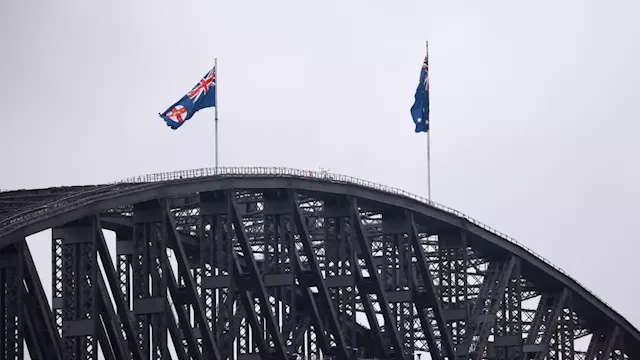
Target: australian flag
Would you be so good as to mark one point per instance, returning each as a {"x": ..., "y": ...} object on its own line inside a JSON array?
[
  {"x": 203, "y": 95},
  {"x": 420, "y": 108}
]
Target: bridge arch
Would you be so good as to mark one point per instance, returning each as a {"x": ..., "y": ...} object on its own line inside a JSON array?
[{"x": 372, "y": 229}]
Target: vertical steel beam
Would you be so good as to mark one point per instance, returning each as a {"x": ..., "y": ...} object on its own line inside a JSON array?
[
  {"x": 508, "y": 333},
  {"x": 207, "y": 231},
  {"x": 453, "y": 269},
  {"x": 79, "y": 289},
  {"x": 158, "y": 254},
  {"x": 149, "y": 273},
  {"x": 56, "y": 282},
  {"x": 142, "y": 266},
  {"x": 280, "y": 264},
  {"x": 219, "y": 293},
  {"x": 124, "y": 253},
  {"x": 11, "y": 301},
  {"x": 398, "y": 273},
  {"x": 567, "y": 329}
]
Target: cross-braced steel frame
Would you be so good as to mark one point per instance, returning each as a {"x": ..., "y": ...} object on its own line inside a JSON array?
[{"x": 273, "y": 268}]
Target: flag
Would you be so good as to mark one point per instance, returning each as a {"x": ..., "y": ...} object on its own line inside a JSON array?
[
  {"x": 420, "y": 108},
  {"x": 203, "y": 95}
]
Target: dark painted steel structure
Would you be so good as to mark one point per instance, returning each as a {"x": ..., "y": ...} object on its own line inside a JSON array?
[{"x": 253, "y": 263}]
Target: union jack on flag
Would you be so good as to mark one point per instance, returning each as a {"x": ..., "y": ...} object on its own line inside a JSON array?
[{"x": 203, "y": 95}]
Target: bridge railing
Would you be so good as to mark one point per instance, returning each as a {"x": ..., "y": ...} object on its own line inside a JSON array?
[{"x": 334, "y": 178}]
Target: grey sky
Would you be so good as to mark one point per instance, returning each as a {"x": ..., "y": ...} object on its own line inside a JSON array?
[{"x": 534, "y": 106}]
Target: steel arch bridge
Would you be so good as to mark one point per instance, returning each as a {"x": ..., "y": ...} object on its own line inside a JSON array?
[{"x": 274, "y": 263}]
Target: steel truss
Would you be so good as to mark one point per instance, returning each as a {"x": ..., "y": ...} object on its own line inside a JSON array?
[{"x": 280, "y": 272}]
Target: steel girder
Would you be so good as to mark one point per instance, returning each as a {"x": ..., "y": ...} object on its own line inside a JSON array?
[
  {"x": 41, "y": 335},
  {"x": 11, "y": 310},
  {"x": 269, "y": 273}
]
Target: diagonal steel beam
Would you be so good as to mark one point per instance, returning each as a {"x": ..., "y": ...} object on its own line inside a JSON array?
[
  {"x": 595, "y": 345},
  {"x": 44, "y": 328},
  {"x": 112, "y": 334},
  {"x": 367, "y": 304},
  {"x": 31, "y": 337},
  {"x": 316, "y": 273},
  {"x": 307, "y": 296},
  {"x": 112, "y": 279},
  {"x": 425, "y": 299},
  {"x": 364, "y": 247},
  {"x": 192, "y": 247},
  {"x": 313, "y": 316},
  {"x": 302, "y": 324},
  {"x": 247, "y": 300},
  {"x": 431, "y": 295},
  {"x": 176, "y": 338},
  {"x": 237, "y": 270},
  {"x": 381, "y": 343},
  {"x": 497, "y": 297},
  {"x": 544, "y": 304},
  {"x": 186, "y": 332},
  {"x": 419, "y": 299},
  {"x": 610, "y": 343},
  {"x": 109, "y": 352},
  {"x": 208, "y": 343},
  {"x": 551, "y": 322},
  {"x": 183, "y": 317},
  {"x": 304, "y": 296},
  {"x": 256, "y": 277}
]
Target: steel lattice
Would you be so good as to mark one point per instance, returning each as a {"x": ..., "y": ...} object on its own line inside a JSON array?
[{"x": 277, "y": 267}]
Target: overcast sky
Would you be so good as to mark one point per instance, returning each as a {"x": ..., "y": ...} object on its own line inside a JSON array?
[{"x": 533, "y": 106}]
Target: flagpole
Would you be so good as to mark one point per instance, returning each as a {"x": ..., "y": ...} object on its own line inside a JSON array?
[
  {"x": 428, "y": 141},
  {"x": 428, "y": 168},
  {"x": 216, "y": 111}
]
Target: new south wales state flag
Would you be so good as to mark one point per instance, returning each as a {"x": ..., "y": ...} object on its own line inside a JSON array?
[{"x": 203, "y": 95}]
